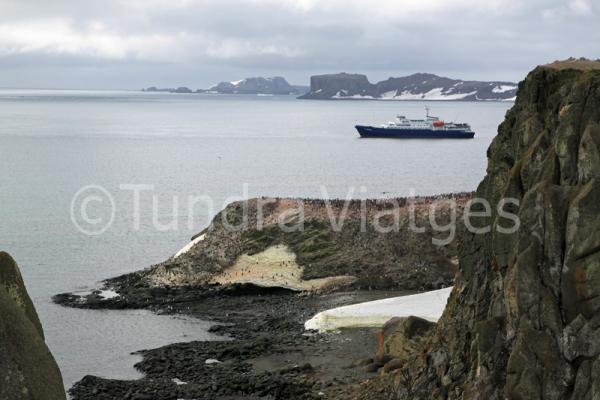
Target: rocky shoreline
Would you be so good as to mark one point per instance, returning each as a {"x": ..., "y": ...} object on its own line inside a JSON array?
[{"x": 265, "y": 351}]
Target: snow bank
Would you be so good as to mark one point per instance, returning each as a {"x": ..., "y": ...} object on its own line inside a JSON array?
[
  {"x": 190, "y": 245},
  {"x": 108, "y": 294},
  {"x": 428, "y": 305},
  {"x": 503, "y": 88},
  {"x": 433, "y": 94}
]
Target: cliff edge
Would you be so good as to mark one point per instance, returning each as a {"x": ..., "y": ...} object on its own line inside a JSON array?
[
  {"x": 523, "y": 320},
  {"x": 27, "y": 369}
]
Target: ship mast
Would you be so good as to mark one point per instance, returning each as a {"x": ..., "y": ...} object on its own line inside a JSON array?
[{"x": 426, "y": 112}]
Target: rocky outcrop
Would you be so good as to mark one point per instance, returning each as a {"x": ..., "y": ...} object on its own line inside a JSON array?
[
  {"x": 523, "y": 321},
  {"x": 27, "y": 369},
  {"x": 332, "y": 86},
  {"x": 302, "y": 245},
  {"x": 393, "y": 257},
  {"x": 401, "y": 337},
  {"x": 414, "y": 87}
]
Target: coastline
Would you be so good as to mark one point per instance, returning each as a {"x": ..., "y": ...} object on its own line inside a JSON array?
[{"x": 265, "y": 349}]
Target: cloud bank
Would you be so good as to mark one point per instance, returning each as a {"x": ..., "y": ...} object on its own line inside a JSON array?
[{"x": 118, "y": 43}]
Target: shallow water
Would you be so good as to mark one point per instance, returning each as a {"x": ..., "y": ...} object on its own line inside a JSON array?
[{"x": 52, "y": 143}]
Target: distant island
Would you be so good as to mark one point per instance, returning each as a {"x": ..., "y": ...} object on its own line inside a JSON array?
[
  {"x": 181, "y": 89},
  {"x": 418, "y": 86},
  {"x": 343, "y": 86},
  {"x": 276, "y": 85}
]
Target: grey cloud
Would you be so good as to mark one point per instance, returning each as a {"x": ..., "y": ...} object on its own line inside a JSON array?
[{"x": 119, "y": 43}]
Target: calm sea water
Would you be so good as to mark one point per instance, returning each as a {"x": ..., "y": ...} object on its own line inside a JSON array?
[{"x": 52, "y": 143}]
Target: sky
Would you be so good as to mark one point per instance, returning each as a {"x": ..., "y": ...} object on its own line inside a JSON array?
[{"x": 130, "y": 44}]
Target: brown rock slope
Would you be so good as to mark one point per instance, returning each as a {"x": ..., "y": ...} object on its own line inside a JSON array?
[
  {"x": 523, "y": 321},
  {"x": 27, "y": 369}
]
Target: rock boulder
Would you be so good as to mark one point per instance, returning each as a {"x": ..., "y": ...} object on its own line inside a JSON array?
[{"x": 27, "y": 369}]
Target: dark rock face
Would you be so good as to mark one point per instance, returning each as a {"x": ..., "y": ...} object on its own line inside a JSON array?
[
  {"x": 259, "y": 85},
  {"x": 346, "y": 85},
  {"x": 27, "y": 369},
  {"x": 401, "y": 337},
  {"x": 523, "y": 321},
  {"x": 414, "y": 87}
]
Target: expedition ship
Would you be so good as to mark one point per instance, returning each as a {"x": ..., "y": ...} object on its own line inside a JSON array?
[{"x": 430, "y": 128}]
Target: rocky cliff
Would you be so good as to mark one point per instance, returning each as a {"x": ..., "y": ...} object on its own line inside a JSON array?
[
  {"x": 27, "y": 369},
  {"x": 414, "y": 87},
  {"x": 523, "y": 321}
]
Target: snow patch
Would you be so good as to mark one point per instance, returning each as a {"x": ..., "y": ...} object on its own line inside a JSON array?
[
  {"x": 178, "y": 382},
  {"x": 341, "y": 94},
  {"x": 433, "y": 94},
  {"x": 389, "y": 95},
  {"x": 359, "y": 96},
  {"x": 108, "y": 294},
  {"x": 212, "y": 361},
  {"x": 503, "y": 88},
  {"x": 190, "y": 245},
  {"x": 428, "y": 305},
  {"x": 235, "y": 83}
]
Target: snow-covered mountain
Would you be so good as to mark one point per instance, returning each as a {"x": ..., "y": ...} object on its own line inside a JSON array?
[
  {"x": 258, "y": 85},
  {"x": 414, "y": 87}
]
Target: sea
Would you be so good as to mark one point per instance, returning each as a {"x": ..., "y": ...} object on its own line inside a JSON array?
[{"x": 96, "y": 184}]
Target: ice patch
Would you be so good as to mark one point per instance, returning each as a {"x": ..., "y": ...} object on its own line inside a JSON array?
[
  {"x": 108, "y": 294},
  {"x": 503, "y": 88},
  {"x": 341, "y": 94},
  {"x": 389, "y": 95},
  {"x": 428, "y": 305},
  {"x": 433, "y": 94},
  {"x": 438, "y": 94},
  {"x": 190, "y": 245}
]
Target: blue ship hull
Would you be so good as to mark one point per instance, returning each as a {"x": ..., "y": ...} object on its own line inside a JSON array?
[{"x": 406, "y": 133}]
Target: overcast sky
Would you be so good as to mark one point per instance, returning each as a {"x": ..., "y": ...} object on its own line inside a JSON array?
[{"x": 131, "y": 44}]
